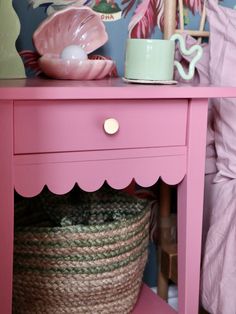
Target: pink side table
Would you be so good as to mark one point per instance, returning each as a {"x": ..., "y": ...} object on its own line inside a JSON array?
[{"x": 52, "y": 133}]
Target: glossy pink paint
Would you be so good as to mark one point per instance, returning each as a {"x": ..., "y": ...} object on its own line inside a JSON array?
[
  {"x": 54, "y": 126},
  {"x": 59, "y": 140},
  {"x": 113, "y": 88},
  {"x": 149, "y": 303}
]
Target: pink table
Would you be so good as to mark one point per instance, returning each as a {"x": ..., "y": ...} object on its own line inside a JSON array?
[{"x": 52, "y": 132}]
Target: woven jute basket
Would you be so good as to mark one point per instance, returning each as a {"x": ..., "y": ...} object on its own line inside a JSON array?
[{"x": 80, "y": 257}]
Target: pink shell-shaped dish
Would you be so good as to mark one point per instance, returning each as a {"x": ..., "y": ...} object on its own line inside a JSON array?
[
  {"x": 71, "y": 26},
  {"x": 75, "y": 69}
]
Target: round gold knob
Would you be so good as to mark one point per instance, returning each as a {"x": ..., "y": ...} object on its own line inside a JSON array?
[{"x": 111, "y": 126}]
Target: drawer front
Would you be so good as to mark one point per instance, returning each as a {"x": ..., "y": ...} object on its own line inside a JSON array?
[{"x": 64, "y": 126}]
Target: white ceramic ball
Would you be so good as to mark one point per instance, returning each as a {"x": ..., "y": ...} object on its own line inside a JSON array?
[{"x": 73, "y": 52}]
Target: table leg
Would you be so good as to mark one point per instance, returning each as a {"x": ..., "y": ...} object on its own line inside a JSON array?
[
  {"x": 6, "y": 206},
  {"x": 164, "y": 237},
  {"x": 190, "y": 208}
]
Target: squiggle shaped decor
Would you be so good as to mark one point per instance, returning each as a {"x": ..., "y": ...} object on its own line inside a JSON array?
[{"x": 187, "y": 52}]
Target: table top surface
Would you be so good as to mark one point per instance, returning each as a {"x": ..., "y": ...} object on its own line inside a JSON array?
[{"x": 113, "y": 88}]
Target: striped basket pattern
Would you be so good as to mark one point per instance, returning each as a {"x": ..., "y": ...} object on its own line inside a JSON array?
[{"x": 89, "y": 259}]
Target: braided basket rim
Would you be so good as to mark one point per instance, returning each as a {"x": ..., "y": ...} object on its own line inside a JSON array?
[{"x": 85, "y": 228}]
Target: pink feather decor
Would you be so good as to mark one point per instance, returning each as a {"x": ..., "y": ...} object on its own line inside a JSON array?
[
  {"x": 148, "y": 14},
  {"x": 30, "y": 59}
]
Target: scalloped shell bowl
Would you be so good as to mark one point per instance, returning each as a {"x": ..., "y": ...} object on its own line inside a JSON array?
[
  {"x": 72, "y": 26},
  {"x": 75, "y": 70}
]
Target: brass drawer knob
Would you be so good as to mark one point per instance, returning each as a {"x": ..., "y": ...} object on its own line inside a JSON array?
[{"x": 111, "y": 126}]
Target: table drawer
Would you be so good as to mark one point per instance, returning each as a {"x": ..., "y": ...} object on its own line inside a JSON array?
[{"x": 62, "y": 126}]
